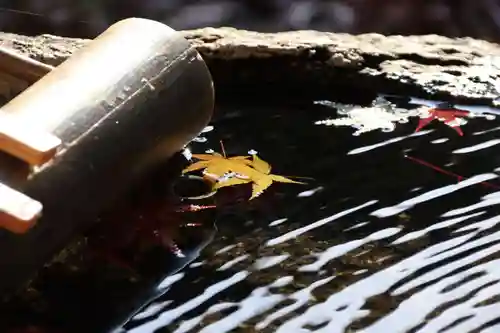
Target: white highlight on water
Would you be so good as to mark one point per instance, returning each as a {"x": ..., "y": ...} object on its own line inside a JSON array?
[
  {"x": 300, "y": 298},
  {"x": 439, "y": 225},
  {"x": 407, "y": 204},
  {"x": 487, "y": 131},
  {"x": 259, "y": 301},
  {"x": 277, "y": 222},
  {"x": 196, "y": 264},
  {"x": 297, "y": 232},
  {"x": 247, "y": 308},
  {"x": 225, "y": 249},
  {"x": 152, "y": 310},
  {"x": 345, "y": 306},
  {"x": 486, "y": 201},
  {"x": 170, "y": 315},
  {"x": 270, "y": 261},
  {"x": 386, "y": 143},
  {"x": 480, "y": 146},
  {"x": 170, "y": 280},
  {"x": 337, "y": 251},
  {"x": 233, "y": 262},
  {"x": 437, "y": 141},
  {"x": 357, "y": 225},
  {"x": 309, "y": 193}
]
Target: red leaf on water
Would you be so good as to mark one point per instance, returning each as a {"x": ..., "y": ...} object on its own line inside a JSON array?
[{"x": 447, "y": 114}]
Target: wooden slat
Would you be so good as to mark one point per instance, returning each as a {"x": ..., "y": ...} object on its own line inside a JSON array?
[
  {"x": 18, "y": 212},
  {"x": 21, "y": 66},
  {"x": 31, "y": 145}
]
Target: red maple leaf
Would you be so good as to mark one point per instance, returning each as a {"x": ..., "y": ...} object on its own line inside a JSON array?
[{"x": 445, "y": 113}]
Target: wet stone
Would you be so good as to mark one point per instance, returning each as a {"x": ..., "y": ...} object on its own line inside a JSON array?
[{"x": 325, "y": 64}]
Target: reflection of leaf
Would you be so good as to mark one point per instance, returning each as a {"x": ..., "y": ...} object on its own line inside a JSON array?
[
  {"x": 128, "y": 233},
  {"x": 237, "y": 170},
  {"x": 381, "y": 115}
]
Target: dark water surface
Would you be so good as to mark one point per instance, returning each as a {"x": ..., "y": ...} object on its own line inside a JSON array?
[
  {"x": 379, "y": 241},
  {"x": 397, "y": 232}
]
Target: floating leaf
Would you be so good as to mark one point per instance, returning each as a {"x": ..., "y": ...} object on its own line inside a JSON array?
[
  {"x": 237, "y": 170},
  {"x": 261, "y": 165},
  {"x": 385, "y": 115},
  {"x": 216, "y": 162},
  {"x": 447, "y": 114},
  {"x": 259, "y": 174}
]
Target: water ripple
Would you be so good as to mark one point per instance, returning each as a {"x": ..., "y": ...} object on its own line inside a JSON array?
[{"x": 402, "y": 266}]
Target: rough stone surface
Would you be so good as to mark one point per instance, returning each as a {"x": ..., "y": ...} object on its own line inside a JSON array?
[{"x": 320, "y": 63}]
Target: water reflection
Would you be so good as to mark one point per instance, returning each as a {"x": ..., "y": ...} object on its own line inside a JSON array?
[{"x": 386, "y": 244}]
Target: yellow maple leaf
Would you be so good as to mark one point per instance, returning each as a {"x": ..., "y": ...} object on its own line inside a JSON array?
[
  {"x": 263, "y": 178},
  {"x": 216, "y": 165},
  {"x": 237, "y": 170}
]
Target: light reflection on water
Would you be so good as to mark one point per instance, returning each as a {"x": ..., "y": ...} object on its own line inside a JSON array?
[{"x": 386, "y": 245}]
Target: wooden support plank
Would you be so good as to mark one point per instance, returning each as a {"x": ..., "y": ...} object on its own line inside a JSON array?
[
  {"x": 18, "y": 212},
  {"x": 31, "y": 145},
  {"x": 22, "y": 66}
]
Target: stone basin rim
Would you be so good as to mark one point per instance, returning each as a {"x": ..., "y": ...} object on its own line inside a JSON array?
[{"x": 322, "y": 64}]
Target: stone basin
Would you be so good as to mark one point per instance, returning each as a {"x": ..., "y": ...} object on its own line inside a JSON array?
[{"x": 396, "y": 229}]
